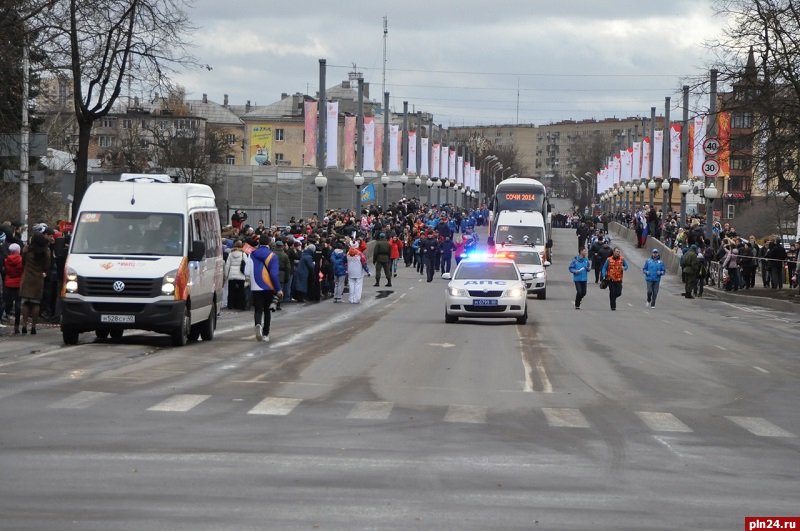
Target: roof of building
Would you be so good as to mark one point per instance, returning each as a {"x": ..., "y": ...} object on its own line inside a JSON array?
[
  {"x": 286, "y": 107},
  {"x": 213, "y": 112}
]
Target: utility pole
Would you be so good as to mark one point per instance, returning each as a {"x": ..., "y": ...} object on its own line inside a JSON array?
[
  {"x": 385, "y": 39},
  {"x": 24, "y": 159}
]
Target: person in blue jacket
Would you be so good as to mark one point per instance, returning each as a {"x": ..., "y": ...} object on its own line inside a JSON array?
[
  {"x": 263, "y": 269},
  {"x": 653, "y": 270},
  {"x": 579, "y": 267}
]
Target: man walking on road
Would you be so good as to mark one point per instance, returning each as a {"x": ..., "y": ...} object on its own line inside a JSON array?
[
  {"x": 579, "y": 267},
  {"x": 691, "y": 267},
  {"x": 264, "y": 272},
  {"x": 612, "y": 271},
  {"x": 382, "y": 260},
  {"x": 653, "y": 271}
]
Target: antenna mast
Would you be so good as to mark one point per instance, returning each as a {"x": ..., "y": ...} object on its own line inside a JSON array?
[{"x": 385, "y": 37}]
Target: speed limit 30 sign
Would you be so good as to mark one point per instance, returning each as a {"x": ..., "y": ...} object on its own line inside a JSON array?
[{"x": 710, "y": 168}]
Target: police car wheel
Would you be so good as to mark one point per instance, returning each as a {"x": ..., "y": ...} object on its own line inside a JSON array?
[
  {"x": 542, "y": 295},
  {"x": 450, "y": 318},
  {"x": 524, "y": 319}
]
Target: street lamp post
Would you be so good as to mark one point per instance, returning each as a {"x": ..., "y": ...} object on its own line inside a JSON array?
[
  {"x": 496, "y": 166},
  {"x": 652, "y": 187},
  {"x": 358, "y": 180},
  {"x": 628, "y": 197},
  {"x": 710, "y": 192},
  {"x": 418, "y": 182},
  {"x": 664, "y": 188},
  {"x": 404, "y": 181},
  {"x": 684, "y": 189},
  {"x": 593, "y": 190},
  {"x": 446, "y": 191},
  {"x": 385, "y": 183},
  {"x": 642, "y": 188},
  {"x": 438, "y": 185},
  {"x": 429, "y": 183},
  {"x": 320, "y": 181}
]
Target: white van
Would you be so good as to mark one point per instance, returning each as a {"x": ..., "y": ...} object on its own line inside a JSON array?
[
  {"x": 521, "y": 227},
  {"x": 145, "y": 254}
]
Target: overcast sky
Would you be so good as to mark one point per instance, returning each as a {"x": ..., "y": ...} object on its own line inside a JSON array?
[{"x": 461, "y": 61}]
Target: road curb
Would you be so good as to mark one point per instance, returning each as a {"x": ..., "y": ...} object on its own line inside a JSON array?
[{"x": 740, "y": 298}]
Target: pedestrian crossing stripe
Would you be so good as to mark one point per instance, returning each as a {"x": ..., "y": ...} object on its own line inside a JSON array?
[
  {"x": 658, "y": 421},
  {"x": 564, "y": 417},
  {"x": 760, "y": 427},
  {"x": 180, "y": 403},
  {"x": 275, "y": 406},
  {"x": 371, "y": 410},
  {"x": 81, "y": 400},
  {"x": 456, "y": 413}
]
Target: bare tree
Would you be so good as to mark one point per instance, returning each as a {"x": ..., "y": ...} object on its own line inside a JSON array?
[
  {"x": 771, "y": 28},
  {"x": 105, "y": 44}
]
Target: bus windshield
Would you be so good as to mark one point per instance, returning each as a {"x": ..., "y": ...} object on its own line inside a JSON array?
[
  {"x": 515, "y": 234},
  {"x": 128, "y": 233},
  {"x": 530, "y": 198}
]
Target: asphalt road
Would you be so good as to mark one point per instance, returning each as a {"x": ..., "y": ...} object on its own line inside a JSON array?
[{"x": 380, "y": 416}]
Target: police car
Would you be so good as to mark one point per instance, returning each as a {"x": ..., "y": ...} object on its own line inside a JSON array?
[
  {"x": 486, "y": 287},
  {"x": 528, "y": 260}
]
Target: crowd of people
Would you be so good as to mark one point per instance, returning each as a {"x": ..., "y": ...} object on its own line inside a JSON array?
[{"x": 736, "y": 261}]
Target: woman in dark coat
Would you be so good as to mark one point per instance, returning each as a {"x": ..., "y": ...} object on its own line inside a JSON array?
[
  {"x": 35, "y": 265},
  {"x": 303, "y": 273}
]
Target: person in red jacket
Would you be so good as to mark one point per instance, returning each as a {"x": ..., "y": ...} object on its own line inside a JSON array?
[
  {"x": 395, "y": 252},
  {"x": 13, "y": 277}
]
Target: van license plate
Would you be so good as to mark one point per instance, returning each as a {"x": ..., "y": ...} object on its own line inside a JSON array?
[
  {"x": 117, "y": 318},
  {"x": 484, "y": 302}
]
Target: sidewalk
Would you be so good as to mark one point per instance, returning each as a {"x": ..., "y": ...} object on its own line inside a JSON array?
[{"x": 785, "y": 300}]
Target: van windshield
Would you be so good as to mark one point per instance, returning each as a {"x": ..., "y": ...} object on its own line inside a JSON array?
[
  {"x": 129, "y": 233},
  {"x": 517, "y": 233}
]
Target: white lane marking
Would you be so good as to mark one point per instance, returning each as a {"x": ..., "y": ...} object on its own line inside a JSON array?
[
  {"x": 372, "y": 410},
  {"x": 658, "y": 421},
  {"x": 631, "y": 305},
  {"x": 759, "y": 369},
  {"x": 402, "y": 295},
  {"x": 442, "y": 345},
  {"x": 466, "y": 414},
  {"x": 547, "y": 387},
  {"x": 179, "y": 403},
  {"x": 688, "y": 333},
  {"x": 412, "y": 287},
  {"x": 759, "y": 426},
  {"x": 564, "y": 417},
  {"x": 275, "y": 405},
  {"x": 81, "y": 400},
  {"x": 721, "y": 348}
]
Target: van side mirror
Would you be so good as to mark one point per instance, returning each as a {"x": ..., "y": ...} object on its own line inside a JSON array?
[
  {"x": 549, "y": 244},
  {"x": 198, "y": 251}
]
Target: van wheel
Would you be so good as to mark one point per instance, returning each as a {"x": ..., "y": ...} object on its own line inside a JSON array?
[
  {"x": 117, "y": 334},
  {"x": 450, "y": 318},
  {"x": 180, "y": 336},
  {"x": 69, "y": 335},
  {"x": 208, "y": 326},
  {"x": 101, "y": 334},
  {"x": 524, "y": 319},
  {"x": 542, "y": 295},
  {"x": 194, "y": 332}
]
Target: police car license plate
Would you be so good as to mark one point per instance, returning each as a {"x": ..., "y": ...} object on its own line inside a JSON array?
[
  {"x": 484, "y": 302},
  {"x": 117, "y": 318}
]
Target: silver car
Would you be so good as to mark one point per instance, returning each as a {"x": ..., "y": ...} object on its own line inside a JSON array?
[
  {"x": 487, "y": 288},
  {"x": 528, "y": 260}
]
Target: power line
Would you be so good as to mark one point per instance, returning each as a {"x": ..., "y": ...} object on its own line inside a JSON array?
[{"x": 528, "y": 74}]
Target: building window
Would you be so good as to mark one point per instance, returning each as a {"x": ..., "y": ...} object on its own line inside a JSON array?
[
  {"x": 107, "y": 122},
  {"x": 741, "y": 163},
  {"x": 278, "y": 158},
  {"x": 105, "y": 141},
  {"x": 742, "y": 120},
  {"x": 230, "y": 160},
  {"x": 230, "y": 139},
  {"x": 127, "y": 123},
  {"x": 279, "y": 134}
]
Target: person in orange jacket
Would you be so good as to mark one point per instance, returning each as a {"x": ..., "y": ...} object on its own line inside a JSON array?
[{"x": 396, "y": 251}]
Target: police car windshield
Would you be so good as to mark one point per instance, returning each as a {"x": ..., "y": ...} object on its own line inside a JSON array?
[
  {"x": 535, "y": 234},
  {"x": 486, "y": 271},
  {"x": 129, "y": 233},
  {"x": 523, "y": 258}
]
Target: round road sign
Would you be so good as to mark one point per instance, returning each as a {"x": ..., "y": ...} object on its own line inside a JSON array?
[
  {"x": 710, "y": 168},
  {"x": 711, "y": 145}
]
